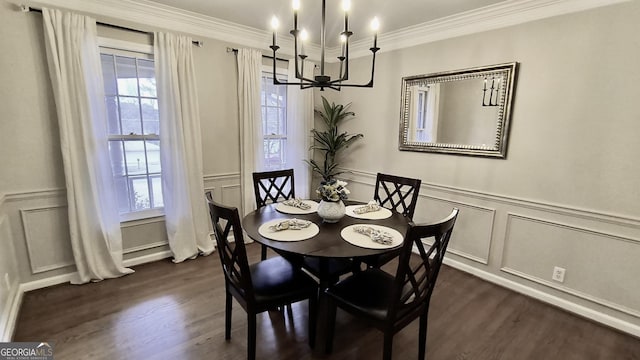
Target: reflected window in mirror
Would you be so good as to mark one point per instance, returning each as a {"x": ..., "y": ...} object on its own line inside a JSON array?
[{"x": 460, "y": 112}]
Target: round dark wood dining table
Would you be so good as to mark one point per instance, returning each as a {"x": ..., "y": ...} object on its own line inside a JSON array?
[{"x": 328, "y": 243}]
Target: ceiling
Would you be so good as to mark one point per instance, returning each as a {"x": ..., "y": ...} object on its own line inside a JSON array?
[{"x": 392, "y": 14}]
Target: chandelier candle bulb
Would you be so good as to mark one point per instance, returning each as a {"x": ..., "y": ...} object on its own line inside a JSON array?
[
  {"x": 303, "y": 37},
  {"x": 296, "y": 7},
  {"x": 375, "y": 25},
  {"x": 346, "y": 5},
  {"x": 274, "y": 25}
]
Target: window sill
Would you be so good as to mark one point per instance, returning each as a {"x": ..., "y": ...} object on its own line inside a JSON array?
[{"x": 141, "y": 217}]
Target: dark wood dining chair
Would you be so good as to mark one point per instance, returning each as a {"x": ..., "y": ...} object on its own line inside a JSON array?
[
  {"x": 399, "y": 194},
  {"x": 266, "y": 285},
  {"x": 270, "y": 187},
  {"x": 392, "y": 302}
]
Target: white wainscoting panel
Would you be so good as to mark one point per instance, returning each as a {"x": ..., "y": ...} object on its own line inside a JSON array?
[
  {"x": 472, "y": 234},
  {"x": 600, "y": 266},
  {"x": 46, "y": 231},
  {"x": 8, "y": 291}
]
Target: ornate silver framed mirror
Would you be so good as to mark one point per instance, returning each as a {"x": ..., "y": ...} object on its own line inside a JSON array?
[{"x": 463, "y": 112}]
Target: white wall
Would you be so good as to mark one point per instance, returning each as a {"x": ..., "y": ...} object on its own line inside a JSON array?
[{"x": 567, "y": 193}]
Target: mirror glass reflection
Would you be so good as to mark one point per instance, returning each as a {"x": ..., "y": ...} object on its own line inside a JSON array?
[{"x": 464, "y": 111}]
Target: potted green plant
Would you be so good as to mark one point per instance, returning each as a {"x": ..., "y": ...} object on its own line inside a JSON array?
[{"x": 330, "y": 141}]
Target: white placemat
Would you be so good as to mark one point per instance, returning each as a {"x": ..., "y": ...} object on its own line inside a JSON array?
[
  {"x": 287, "y": 235},
  {"x": 286, "y": 209},
  {"x": 361, "y": 240},
  {"x": 374, "y": 215}
]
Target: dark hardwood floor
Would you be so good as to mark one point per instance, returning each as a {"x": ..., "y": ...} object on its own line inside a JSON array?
[{"x": 176, "y": 311}]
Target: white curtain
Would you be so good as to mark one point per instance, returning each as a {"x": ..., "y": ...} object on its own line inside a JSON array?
[
  {"x": 299, "y": 124},
  {"x": 76, "y": 76},
  {"x": 180, "y": 148},
  {"x": 250, "y": 115}
]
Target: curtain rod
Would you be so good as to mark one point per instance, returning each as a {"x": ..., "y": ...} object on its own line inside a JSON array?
[
  {"x": 233, "y": 50},
  {"x": 26, "y": 8}
]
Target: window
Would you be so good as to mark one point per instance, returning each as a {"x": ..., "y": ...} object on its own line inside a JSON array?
[
  {"x": 425, "y": 112},
  {"x": 133, "y": 127},
  {"x": 274, "y": 121}
]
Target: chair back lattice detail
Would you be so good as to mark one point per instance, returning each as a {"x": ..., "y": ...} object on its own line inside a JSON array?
[
  {"x": 233, "y": 256},
  {"x": 415, "y": 280},
  {"x": 397, "y": 193},
  {"x": 273, "y": 186}
]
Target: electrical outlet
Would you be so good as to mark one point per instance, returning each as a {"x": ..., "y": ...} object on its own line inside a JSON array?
[{"x": 558, "y": 274}]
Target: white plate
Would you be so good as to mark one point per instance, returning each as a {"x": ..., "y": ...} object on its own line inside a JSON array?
[
  {"x": 287, "y": 235},
  {"x": 374, "y": 215},
  {"x": 286, "y": 209},
  {"x": 361, "y": 240}
]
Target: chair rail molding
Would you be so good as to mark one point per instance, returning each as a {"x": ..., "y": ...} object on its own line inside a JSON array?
[
  {"x": 614, "y": 219},
  {"x": 222, "y": 177},
  {"x": 33, "y": 194}
]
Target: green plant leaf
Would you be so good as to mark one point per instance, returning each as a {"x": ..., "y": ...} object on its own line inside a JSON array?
[{"x": 330, "y": 141}]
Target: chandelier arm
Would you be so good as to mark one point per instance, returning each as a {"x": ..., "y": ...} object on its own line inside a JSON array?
[
  {"x": 346, "y": 59},
  {"x": 291, "y": 83},
  {"x": 275, "y": 48},
  {"x": 369, "y": 84},
  {"x": 374, "y": 50},
  {"x": 305, "y": 79}
]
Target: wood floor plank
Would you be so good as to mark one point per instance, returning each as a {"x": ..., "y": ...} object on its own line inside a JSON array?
[{"x": 176, "y": 311}]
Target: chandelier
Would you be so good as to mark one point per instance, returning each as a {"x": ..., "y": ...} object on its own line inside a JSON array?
[{"x": 323, "y": 80}]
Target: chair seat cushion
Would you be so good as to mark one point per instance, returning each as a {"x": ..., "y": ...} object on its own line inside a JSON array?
[
  {"x": 367, "y": 292},
  {"x": 275, "y": 278}
]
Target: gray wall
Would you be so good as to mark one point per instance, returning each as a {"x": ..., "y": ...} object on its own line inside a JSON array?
[
  {"x": 32, "y": 186},
  {"x": 567, "y": 195}
]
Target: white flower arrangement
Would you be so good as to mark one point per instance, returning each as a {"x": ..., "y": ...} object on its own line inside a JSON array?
[{"x": 333, "y": 190}]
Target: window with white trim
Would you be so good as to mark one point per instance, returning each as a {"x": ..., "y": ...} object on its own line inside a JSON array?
[
  {"x": 133, "y": 128},
  {"x": 274, "y": 120}
]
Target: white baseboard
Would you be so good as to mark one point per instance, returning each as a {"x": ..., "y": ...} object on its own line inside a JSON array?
[
  {"x": 567, "y": 305},
  {"x": 18, "y": 294},
  {"x": 148, "y": 258},
  {"x": 11, "y": 311},
  {"x": 46, "y": 282}
]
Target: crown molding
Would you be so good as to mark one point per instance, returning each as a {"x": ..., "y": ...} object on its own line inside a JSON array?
[
  {"x": 147, "y": 13},
  {"x": 154, "y": 15},
  {"x": 500, "y": 15}
]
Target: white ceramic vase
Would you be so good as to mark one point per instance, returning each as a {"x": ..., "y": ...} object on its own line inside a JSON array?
[{"x": 331, "y": 211}]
